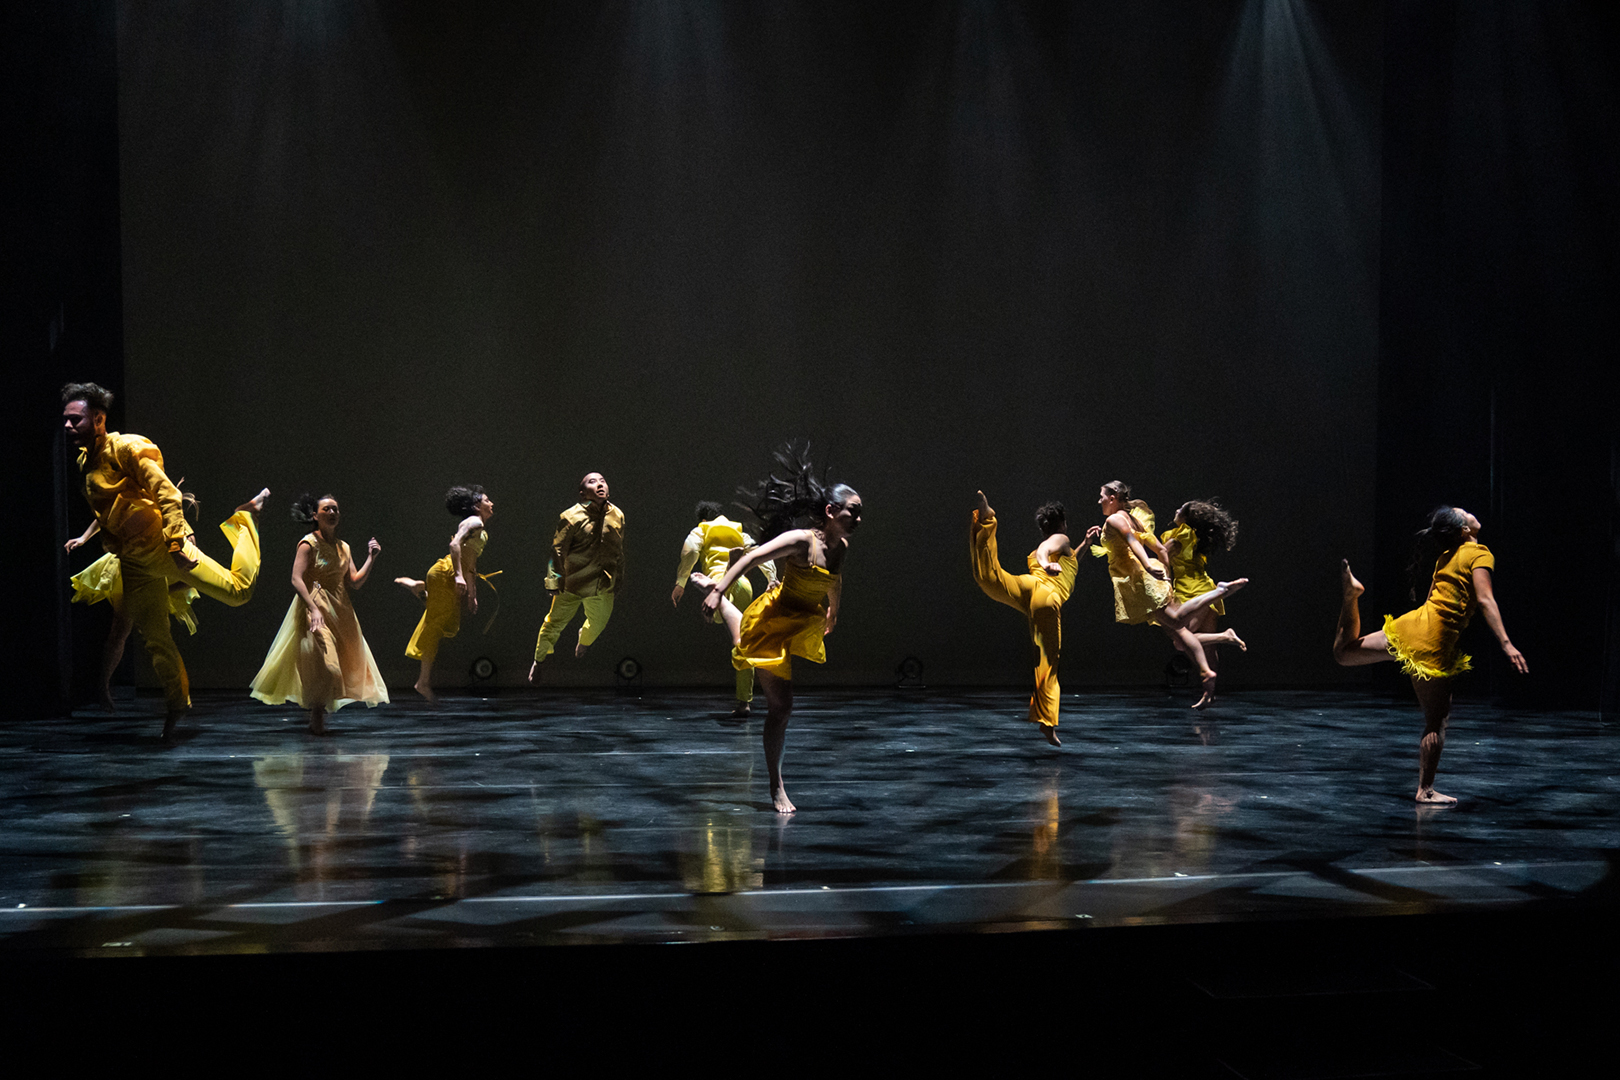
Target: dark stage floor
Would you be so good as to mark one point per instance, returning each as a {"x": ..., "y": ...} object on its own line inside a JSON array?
[{"x": 564, "y": 817}]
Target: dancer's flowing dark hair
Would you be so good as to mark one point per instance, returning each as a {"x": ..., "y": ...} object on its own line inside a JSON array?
[
  {"x": 1215, "y": 528},
  {"x": 1442, "y": 534},
  {"x": 792, "y": 496}
]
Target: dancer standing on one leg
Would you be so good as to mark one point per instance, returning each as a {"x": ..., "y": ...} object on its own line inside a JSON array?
[
  {"x": 715, "y": 542},
  {"x": 802, "y": 607},
  {"x": 320, "y": 660},
  {"x": 1039, "y": 594},
  {"x": 1201, "y": 526},
  {"x": 1425, "y": 640},
  {"x": 451, "y": 582},
  {"x": 1141, "y": 585},
  {"x": 142, "y": 522},
  {"x": 587, "y": 559}
]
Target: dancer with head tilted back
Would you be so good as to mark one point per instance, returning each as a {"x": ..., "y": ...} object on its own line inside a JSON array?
[
  {"x": 1039, "y": 594},
  {"x": 1142, "y": 592},
  {"x": 1201, "y": 526},
  {"x": 802, "y": 607},
  {"x": 715, "y": 542},
  {"x": 319, "y": 659},
  {"x": 451, "y": 583},
  {"x": 1425, "y": 640}
]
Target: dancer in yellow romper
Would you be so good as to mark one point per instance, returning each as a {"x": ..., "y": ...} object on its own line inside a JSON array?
[
  {"x": 1039, "y": 594},
  {"x": 1200, "y": 525},
  {"x": 142, "y": 522},
  {"x": 797, "y": 612},
  {"x": 451, "y": 583},
  {"x": 587, "y": 557},
  {"x": 714, "y": 542},
  {"x": 1426, "y": 639},
  {"x": 319, "y": 659}
]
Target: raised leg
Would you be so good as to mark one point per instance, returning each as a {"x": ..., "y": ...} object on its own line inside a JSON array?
[
  {"x": 1186, "y": 610},
  {"x": 1435, "y": 697},
  {"x": 779, "y": 710},
  {"x": 1350, "y": 648}
]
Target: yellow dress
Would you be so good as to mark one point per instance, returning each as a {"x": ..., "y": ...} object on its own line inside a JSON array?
[
  {"x": 1138, "y": 595},
  {"x": 788, "y": 621},
  {"x": 442, "y": 619},
  {"x": 330, "y": 669},
  {"x": 1425, "y": 640},
  {"x": 1040, "y": 596},
  {"x": 1188, "y": 566},
  {"x": 103, "y": 580}
]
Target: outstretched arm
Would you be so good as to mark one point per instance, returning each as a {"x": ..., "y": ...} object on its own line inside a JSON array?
[
  {"x": 357, "y": 578},
  {"x": 1493, "y": 619}
]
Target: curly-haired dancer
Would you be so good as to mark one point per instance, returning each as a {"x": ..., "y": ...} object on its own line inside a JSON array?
[
  {"x": 1200, "y": 526},
  {"x": 451, "y": 582}
]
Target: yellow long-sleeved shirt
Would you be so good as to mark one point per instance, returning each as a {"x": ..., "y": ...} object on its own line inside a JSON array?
[
  {"x": 132, "y": 497},
  {"x": 588, "y": 550}
]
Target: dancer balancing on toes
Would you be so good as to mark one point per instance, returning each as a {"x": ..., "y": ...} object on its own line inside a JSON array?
[
  {"x": 319, "y": 659},
  {"x": 714, "y": 542},
  {"x": 143, "y": 523},
  {"x": 451, "y": 583},
  {"x": 1039, "y": 594},
  {"x": 587, "y": 567},
  {"x": 1426, "y": 640},
  {"x": 1142, "y": 592},
  {"x": 802, "y": 607},
  {"x": 1200, "y": 526}
]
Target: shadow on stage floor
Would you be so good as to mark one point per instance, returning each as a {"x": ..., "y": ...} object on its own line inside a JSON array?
[{"x": 1217, "y": 865}]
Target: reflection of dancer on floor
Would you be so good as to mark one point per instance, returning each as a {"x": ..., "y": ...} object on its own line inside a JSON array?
[
  {"x": 1201, "y": 526},
  {"x": 802, "y": 607},
  {"x": 714, "y": 543},
  {"x": 1425, "y": 640},
  {"x": 143, "y": 522},
  {"x": 1141, "y": 585},
  {"x": 587, "y": 556},
  {"x": 319, "y": 659},
  {"x": 451, "y": 582},
  {"x": 1039, "y": 594}
]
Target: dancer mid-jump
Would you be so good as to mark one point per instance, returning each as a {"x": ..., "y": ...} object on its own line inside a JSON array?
[
  {"x": 451, "y": 582},
  {"x": 1200, "y": 526},
  {"x": 1425, "y": 640}
]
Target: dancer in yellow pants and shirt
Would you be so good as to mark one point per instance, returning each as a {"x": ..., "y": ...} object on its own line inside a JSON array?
[
  {"x": 587, "y": 555},
  {"x": 714, "y": 542},
  {"x": 142, "y": 522}
]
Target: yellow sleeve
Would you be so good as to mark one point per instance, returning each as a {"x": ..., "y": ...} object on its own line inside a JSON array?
[
  {"x": 689, "y": 555},
  {"x": 140, "y": 458}
]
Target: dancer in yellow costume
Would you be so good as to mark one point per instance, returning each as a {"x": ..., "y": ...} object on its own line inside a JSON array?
[
  {"x": 452, "y": 582},
  {"x": 796, "y": 613},
  {"x": 587, "y": 557},
  {"x": 1142, "y": 592},
  {"x": 319, "y": 659},
  {"x": 142, "y": 522},
  {"x": 1039, "y": 594},
  {"x": 1426, "y": 640},
  {"x": 714, "y": 542},
  {"x": 1201, "y": 525}
]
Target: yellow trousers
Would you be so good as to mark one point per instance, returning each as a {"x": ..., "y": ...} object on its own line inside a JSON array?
[
  {"x": 442, "y": 619},
  {"x": 1041, "y": 605},
  {"x": 564, "y": 605},
  {"x": 148, "y": 578},
  {"x": 741, "y": 594}
]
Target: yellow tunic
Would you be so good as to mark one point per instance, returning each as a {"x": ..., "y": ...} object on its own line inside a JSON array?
[
  {"x": 442, "y": 619},
  {"x": 788, "y": 621},
  {"x": 1188, "y": 565},
  {"x": 1425, "y": 640},
  {"x": 1040, "y": 596},
  {"x": 588, "y": 549},
  {"x": 1138, "y": 596},
  {"x": 330, "y": 669}
]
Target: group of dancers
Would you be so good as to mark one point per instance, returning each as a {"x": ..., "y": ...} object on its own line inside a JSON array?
[{"x": 320, "y": 660}]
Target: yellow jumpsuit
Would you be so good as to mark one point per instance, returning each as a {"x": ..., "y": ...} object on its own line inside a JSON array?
[
  {"x": 1040, "y": 597},
  {"x": 588, "y": 552},
  {"x": 1138, "y": 595},
  {"x": 442, "y": 619},
  {"x": 330, "y": 669},
  {"x": 711, "y": 544},
  {"x": 141, "y": 521},
  {"x": 789, "y": 620},
  {"x": 1189, "y": 568},
  {"x": 1425, "y": 640}
]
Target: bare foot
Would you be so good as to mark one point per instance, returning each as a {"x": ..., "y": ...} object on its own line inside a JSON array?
[
  {"x": 171, "y": 719},
  {"x": 1050, "y": 734},
  {"x": 1227, "y": 588},
  {"x": 985, "y": 513},
  {"x": 317, "y": 721},
  {"x": 579, "y": 650},
  {"x": 411, "y": 585},
  {"x": 783, "y": 804},
  {"x": 425, "y": 691},
  {"x": 1208, "y": 679},
  {"x": 1352, "y": 587},
  {"x": 743, "y": 708},
  {"x": 256, "y": 504},
  {"x": 1231, "y": 635},
  {"x": 1434, "y": 798},
  {"x": 106, "y": 699}
]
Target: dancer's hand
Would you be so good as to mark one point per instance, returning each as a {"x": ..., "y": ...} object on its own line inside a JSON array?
[
  {"x": 74, "y": 544},
  {"x": 711, "y": 603},
  {"x": 317, "y": 621},
  {"x": 185, "y": 562},
  {"x": 828, "y": 624},
  {"x": 534, "y": 669},
  {"x": 1052, "y": 568},
  {"x": 372, "y": 547},
  {"x": 1158, "y": 572},
  {"x": 1516, "y": 658},
  {"x": 675, "y": 597},
  {"x": 1093, "y": 533}
]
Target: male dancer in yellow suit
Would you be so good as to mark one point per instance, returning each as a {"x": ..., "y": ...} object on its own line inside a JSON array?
[
  {"x": 587, "y": 557},
  {"x": 139, "y": 512}
]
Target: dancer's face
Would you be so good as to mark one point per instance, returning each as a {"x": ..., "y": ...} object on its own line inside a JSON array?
[
  {"x": 1470, "y": 524},
  {"x": 327, "y": 513},
  {"x": 1107, "y": 501},
  {"x": 594, "y": 487},
  {"x": 485, "y": 508},
  {"x": 83, "y": 423},
  {"x": 846, "y": 518}
]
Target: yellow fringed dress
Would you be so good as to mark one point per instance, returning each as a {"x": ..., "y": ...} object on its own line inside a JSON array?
[
  {"x": 334, "y": 667},
  {"x": 1425, "y": 640},
  {"x": 1190, "y": 568},
  {"x": 788, "y": 621},
  {"x": 1138, "y": 595}
]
